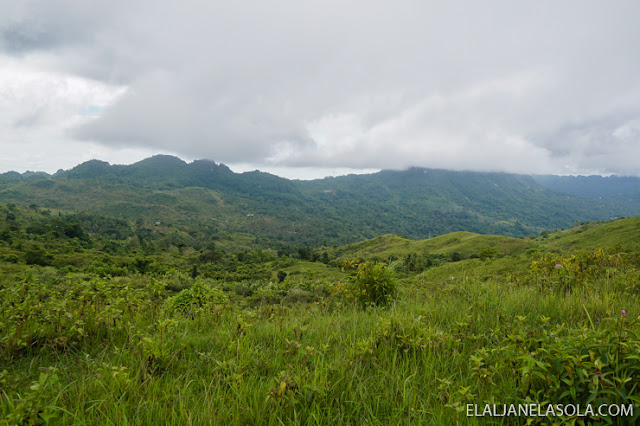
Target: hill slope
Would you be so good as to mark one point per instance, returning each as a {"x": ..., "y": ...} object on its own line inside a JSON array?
[{"x": 417, "y": 202}]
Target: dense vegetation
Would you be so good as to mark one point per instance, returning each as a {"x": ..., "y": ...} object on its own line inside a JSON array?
[
  {"x": 115, "y": 320},
  {"x": 275, "y": 212}
]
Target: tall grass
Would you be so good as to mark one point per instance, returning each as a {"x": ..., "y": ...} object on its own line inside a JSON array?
[{"x": 106, "y": 351}]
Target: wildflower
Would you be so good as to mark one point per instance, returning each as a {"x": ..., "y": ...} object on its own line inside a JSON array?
[
  {"x": 559, "y": 266},
  {"x": 623, "y": 313}
]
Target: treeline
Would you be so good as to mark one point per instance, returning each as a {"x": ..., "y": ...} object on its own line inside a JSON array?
[{"x": 103, "y": 246}]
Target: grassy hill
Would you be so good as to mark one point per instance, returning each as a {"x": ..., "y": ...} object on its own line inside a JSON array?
[
  {"x": 463, "y": 254},
  {"x": 466, "y": 244},
  {"x": 621, "y": 233}
]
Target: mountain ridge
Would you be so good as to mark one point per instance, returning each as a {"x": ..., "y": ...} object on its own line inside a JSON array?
[
  {"x": 587, "y": 186},
  {"x": 416, "y": 202}
]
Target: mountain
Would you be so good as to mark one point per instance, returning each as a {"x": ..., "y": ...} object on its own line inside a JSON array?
[
  {"x": 274, "y": 211},
  {"x": 9, "y": 177},
  {"x": 592, "y": 186}
]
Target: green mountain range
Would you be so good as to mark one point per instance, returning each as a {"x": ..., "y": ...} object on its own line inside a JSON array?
[{"x": 418, "y": 203}]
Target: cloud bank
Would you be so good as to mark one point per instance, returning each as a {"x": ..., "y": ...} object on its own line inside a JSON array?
[{"x": 493, "y": 85}]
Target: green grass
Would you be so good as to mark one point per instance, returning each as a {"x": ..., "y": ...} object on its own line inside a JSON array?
[
  {"x": 79, "y": 349},
  {"x": 620, "y": 232},
  {"x": 466, "y": 243},
  {"x": 318, "y": 363},
  {"x": 299, "y": 271}
]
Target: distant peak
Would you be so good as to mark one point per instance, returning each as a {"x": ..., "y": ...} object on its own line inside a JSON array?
[
  {"x": 161, "y": 160},
  {"x": 210, "y": 163},
  {"x": 88, "y": 169},
  {"x": 94, "y": 162},
  {"x": 12, "y": 174},
  {"x": 92, "y": 165}
]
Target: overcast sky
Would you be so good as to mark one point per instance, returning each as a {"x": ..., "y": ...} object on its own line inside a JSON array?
[{"x": 309, "y": 88}]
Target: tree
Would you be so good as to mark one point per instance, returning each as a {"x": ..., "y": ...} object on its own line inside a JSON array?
[{"x": 37, "y": 256}]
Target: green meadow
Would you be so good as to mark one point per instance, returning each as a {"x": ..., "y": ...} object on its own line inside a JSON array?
[{"x": 100, "y": 329}]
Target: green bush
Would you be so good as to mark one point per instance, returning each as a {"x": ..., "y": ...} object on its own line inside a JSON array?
[
  {"x": 489, "y": 253},
  {"x": 373, "y": 284},
  {"x": 34, "y": 406},
  {"x": 11, "y": 258},
  {"x": 198, "y": 298},
  {"x": 37, "y": 256}
]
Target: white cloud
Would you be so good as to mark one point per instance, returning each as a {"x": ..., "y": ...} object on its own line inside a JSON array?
[
  {"x": 455, "y": 131},
  {"x": 492, "y": 85},
  {"x": 37, "y": 109}
]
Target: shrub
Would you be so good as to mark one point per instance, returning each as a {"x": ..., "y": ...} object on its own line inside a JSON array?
[
  {"x": 198, "y": 298},
  {"x": 11, "y": 258},
  {"x": 37, "y": 256},
  {"x": 489, "y": 253},
  {"x": 34, "y": 405},
  {"x": 456, "y": 256},
  {"x": 373, "y": 283}
]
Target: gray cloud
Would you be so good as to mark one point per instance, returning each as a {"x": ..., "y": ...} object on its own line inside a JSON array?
[
  {"x": 492, "y": 85},
  {"x": 40, "y": 25}
]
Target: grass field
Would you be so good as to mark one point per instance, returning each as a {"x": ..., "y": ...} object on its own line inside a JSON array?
[{"x": 535, "y": 321}]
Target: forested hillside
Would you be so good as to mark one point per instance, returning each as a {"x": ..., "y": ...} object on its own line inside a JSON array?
[{"x": 166, "y": 191}]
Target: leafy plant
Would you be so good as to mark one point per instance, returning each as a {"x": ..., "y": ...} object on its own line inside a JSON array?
[
  {"x": 372, "y": 284},
  {"x": 200, "y": 297},
  {"x": 35, "y": 406}
]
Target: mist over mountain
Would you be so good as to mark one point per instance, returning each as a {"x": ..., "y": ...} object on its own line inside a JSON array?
[{"x": 592, "y": 186}]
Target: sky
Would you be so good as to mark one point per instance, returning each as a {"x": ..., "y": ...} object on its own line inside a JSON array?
[{"x": 310, "y": 88}]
